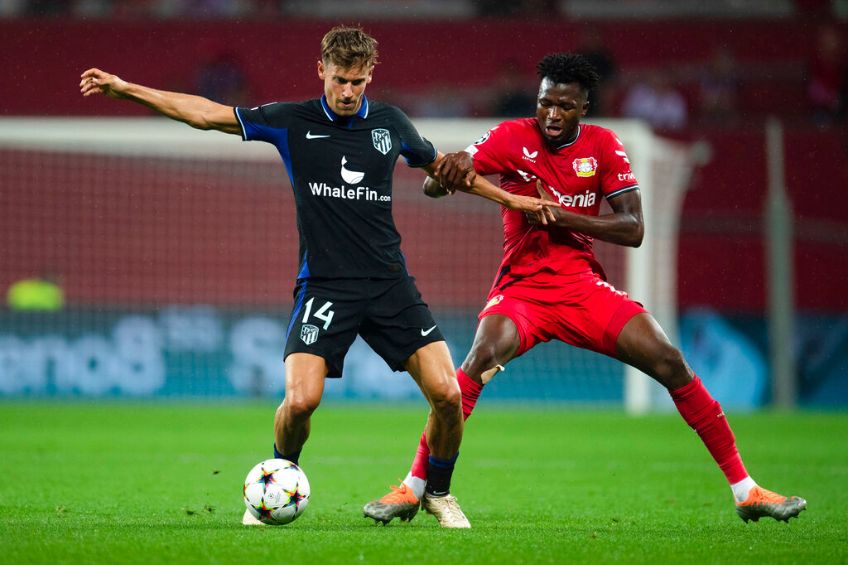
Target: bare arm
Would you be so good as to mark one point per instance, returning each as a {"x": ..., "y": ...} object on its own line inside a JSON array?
[
  {"x": 433, "y": 187},
  {"x": 196, "y": 111},
  {"x": 623, "y": 227},
  {"x": 471, "y": 183}
]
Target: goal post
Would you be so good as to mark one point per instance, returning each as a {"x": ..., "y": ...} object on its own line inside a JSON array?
[
  {"x": 664, "y": 169},
  {"x": 177, "y": 251}
]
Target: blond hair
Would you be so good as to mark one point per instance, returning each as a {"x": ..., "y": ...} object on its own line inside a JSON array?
[{"x": 349, "y": 48}]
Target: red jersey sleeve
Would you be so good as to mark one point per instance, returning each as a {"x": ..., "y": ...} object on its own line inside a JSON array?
[
  {"x": 491, "y": 152},
  {"x": 617, "y": 176}
]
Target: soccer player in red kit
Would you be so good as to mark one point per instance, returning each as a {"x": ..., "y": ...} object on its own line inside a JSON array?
[{"x": 549, "y": 284}]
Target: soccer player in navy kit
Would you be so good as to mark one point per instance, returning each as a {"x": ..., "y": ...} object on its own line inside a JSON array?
[
  {"x": 551, "y": 286},
  {"x": 340, "y": 152}
]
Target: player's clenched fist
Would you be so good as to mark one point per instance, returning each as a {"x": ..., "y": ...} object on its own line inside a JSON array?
[
  {"x": 95, "y": 81},
  {"x": 456, "y": 171}
]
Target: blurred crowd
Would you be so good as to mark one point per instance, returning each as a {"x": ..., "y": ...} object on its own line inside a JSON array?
[
  {"x": 709, "y": 93},
  {"x": 715, "y": 92},
  {"x": 412, "y": 9},
  {"x": 259, "y": 9}
]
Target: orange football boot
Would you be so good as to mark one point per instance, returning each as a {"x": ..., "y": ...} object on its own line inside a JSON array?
[
  {"x": 762, "y": 502},
  {"x": 401, "y": 503}
]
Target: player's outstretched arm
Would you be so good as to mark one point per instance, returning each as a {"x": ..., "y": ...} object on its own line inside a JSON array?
[
  {"x": 474, "y": 184},
  {"x": 196, "y": 111},
  {"x": 535, "y": 207},
  {"x": 623, "y": 227}
]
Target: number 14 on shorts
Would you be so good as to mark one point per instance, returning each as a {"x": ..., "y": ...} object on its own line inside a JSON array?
[
  {"x": 323, "y": 313},
  {"x": 309, "y": 332}
]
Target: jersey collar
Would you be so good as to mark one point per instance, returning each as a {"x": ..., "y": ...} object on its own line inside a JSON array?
[
  {"x": 572, "y": 142},
  {"x": 333, "y": 117}
]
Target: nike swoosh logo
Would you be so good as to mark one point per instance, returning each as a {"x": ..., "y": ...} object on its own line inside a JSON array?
[
  {"x": 310, "y": 136},
  {"x": 427, "y": 332}
]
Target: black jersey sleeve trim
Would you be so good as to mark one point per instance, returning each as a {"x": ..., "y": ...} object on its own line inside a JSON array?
[
  {"x": 241, "y": 123},
  {"x": 622, "y": 191},
  {"x": 420, "y": 165}
]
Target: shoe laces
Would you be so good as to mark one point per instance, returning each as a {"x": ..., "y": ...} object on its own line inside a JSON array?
[
  {"x": 450, "y": 505},
  {"x": 399, "y": 494},
  {"x": 759, "y": 495}
]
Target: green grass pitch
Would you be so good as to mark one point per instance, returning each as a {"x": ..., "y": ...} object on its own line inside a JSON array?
[{"x": 161, "y": 482}]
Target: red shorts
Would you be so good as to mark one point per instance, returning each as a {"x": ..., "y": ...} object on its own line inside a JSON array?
[{"x": 580, "y": 309}]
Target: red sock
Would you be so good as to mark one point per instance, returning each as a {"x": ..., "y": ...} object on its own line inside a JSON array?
[
  {"x": 470, "y": 393},
  {"x": 705, "y": 416}
]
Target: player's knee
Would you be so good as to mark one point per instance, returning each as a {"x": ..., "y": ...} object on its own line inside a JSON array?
[
  {"x": 299, "y": 407},
  {"x": 446, "y": 399},
  {"x": 482, "y": 358},
  {"x": 670, "y": 368}
]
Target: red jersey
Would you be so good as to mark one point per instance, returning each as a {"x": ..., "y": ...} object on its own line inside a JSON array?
[{"x": 577, "y": 175}]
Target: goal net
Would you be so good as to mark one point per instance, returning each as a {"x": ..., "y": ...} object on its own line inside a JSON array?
[{"x": 176, "y": 251}]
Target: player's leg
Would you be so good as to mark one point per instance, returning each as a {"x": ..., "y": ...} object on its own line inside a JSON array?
[
  {"x": 305, "y": 374},
  {"x": 643, "y": 344},
  {"x": 321, "y": 329},
  {"x": 495, "y": 343},
  {"x": 400, "y": 328},
  {"x": 432, "y": 368}
]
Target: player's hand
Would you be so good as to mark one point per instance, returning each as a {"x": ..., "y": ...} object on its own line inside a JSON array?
[
  {"x": 433, "y": 189},
  {"x": 535, "y": 208},
  {"x": 95, "y": 81},
  {"x": 547, "y": 213},
  {"x": 456, "y": 171}
]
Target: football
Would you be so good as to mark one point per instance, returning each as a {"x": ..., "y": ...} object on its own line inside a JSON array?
[{"x": 276, "y": 491}]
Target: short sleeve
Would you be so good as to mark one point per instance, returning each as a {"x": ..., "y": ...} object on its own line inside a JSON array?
[
  {"x": 617, "y": 176},
  {"x": 417, "y": 151},
  {"x": 490, "y": 152},
  {"x": 263, "y": 123}
]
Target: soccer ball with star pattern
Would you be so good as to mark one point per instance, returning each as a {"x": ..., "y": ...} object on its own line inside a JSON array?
[{"x": 276, "y": 491}]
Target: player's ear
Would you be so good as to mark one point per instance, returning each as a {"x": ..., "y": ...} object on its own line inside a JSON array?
[
  {"x": 585, "y": 107},
  {"x": 370, "y": 75},
  {"x": 321, "y": 69}
]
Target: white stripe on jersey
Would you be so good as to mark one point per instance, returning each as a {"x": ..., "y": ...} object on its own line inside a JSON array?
[
  {"x": 241, "y": 123},
  {"x": 622, "y": 191}
]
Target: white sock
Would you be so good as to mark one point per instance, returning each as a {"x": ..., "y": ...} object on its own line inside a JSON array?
[
  {"x": 742, "y": 488},
  {"x": 416, "y": 484}
]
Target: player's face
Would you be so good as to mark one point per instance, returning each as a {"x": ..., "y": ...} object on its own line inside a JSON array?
[
  {"x": 559, "y": 109},
  {"x": 344, "y": 87}
]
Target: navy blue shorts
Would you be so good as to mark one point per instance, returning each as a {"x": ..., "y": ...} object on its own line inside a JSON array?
[{"x": 389, "y": 314}]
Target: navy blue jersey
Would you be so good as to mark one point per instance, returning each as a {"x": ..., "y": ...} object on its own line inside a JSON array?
[{"x": 341, "y": 172}]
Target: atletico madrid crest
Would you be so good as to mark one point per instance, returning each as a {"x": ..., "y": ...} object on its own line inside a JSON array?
[
  {"x": 382, "y": 140},
  {"x": 308, "y": 333}
]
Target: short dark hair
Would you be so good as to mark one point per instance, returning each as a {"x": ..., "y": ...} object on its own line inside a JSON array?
[
  {"x": 562, "y": 68},
  {"x": 349, "y": 47}
]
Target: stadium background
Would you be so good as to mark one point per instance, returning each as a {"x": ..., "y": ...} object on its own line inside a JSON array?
[{"x": 177, "y": 273}]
